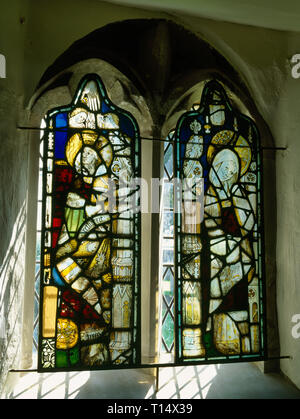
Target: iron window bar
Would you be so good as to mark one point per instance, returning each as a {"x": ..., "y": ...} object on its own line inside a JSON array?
[{"x": 101, "y": 130}]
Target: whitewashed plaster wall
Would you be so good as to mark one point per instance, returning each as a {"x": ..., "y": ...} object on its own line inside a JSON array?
[
  {"x": 286, "y": 126},
  {"x": 34, "y": 34},
  {"x": 13, "y": 188}
]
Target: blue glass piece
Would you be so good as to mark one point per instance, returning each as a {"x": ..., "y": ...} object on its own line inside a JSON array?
[
  {"x": 104, "y": 107},
  {"x": 126, "y": 126},
  {"x": 61, "y": 120},
  {"x": 61, "y": 138},
  {"x": 57, "y": 279}
]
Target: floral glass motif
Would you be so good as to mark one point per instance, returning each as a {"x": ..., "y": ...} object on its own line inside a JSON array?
[
  {"x": 220, "y": 289},
  {"x": 90, "y": 280}
]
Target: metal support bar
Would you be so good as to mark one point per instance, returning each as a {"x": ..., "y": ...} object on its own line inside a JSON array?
[
  {"x": 157, "y": 380},
  {"x": 142, "y": 138},
  {"x": 157, "y": 366}
]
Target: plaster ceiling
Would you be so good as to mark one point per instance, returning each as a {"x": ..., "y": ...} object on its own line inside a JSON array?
[{"x": 273, "y": 14}]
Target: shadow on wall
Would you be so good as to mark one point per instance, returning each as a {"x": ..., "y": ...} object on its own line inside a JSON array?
[
  {"x": 231, "y": 381},
  {"x": 11, "y": 294}
]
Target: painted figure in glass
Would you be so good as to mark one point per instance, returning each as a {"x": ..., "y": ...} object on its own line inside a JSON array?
[
  {"x": 90, "y": 270},
  {"x": 220, "y": 267}
]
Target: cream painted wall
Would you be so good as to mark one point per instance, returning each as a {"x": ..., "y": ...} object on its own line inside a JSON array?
[
  {"x": 286, "y": 128},
  {"x": 260, "y": 55},
  {"x": 13, "y": 181},
  {"x": 273, "y": 14}
]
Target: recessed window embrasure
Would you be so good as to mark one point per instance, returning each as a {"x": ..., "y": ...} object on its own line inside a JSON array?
[{"x": 91, "y": 237}]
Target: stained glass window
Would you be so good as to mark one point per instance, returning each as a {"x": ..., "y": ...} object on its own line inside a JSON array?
[
  {"x": 218, "y": 231},
  {"x": 212, "y": 282},
  {"x": 90, "y": 246}
]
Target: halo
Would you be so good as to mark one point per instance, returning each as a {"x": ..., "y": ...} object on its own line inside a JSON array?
[
  {"x": 89, "y": 137},
  {"x": 244, "y": 152},
  {"x": 73, "y": 147},
  {"x": 220, "y": 139}
]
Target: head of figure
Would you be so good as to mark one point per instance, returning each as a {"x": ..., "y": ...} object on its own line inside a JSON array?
[
  {"x": 89, "y": 161},
  {"x": 82, "y": 153},
  {"x": 225, "y": 168}
]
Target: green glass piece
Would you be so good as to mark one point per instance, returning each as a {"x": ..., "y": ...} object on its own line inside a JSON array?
[
  {"x": 168, "y": 331},
  {"x": 74, "y": 356},
  {"x": 74, "y": 219},
  {"x": 62, "y": 359}
]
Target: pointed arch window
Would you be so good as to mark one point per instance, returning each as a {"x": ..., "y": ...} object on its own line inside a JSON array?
[
  {"x": 90, "y": 263},
  {"x": 219, "y": 247}
]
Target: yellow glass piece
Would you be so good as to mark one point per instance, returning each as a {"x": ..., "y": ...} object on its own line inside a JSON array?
[
  {"x": 191, "y": 303},
  {"x": 122, "y": 296},
  {"x": 243, "y": 328},
  {"x": 86, "y": 249},
  {"x": 244, "y": 152},
  {"x": 89, "y": 137},
  {"x": 47, "y": 259},
  {"x": 191, "y": 244},
  {"x": 107, "y": 317},
  {"x": 191, "y": 217},
  {"x": 61, "y": 163},
  {"x": 69, "y": 269},
  {"x": 107, "y": 278},
  {"x": 226, "y": 335},
  {"x": 88, "y": 179},
  {"x": 67, "y": 334},
  {"x": 254, "y": 338},
  {"x": 251, "y": 274},
  {"x": 126, "y": 314},
  {"x": 105, "y": 298},
  {"x": 67, "y": 248},
  {"x": 73, "y": 147},
  {"x": 101, "y": 183},
  {"x": 221, "y": 138},
  {"x": 246, "y": 345},
  {"x": 97, "y": 283},
  {"x": 101, "y": 260},
  {"x": 107, "y": 154},
  {"x": 49, "y": 311}
]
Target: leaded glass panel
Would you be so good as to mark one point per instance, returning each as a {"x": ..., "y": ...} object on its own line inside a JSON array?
[
  {"x": 220, "y": 288},
  {"x": 167, "y": 314},
  {"x": 90, "y": 247}
]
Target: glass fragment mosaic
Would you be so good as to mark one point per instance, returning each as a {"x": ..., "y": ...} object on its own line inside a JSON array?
[{"x": 90, "y": 245}]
